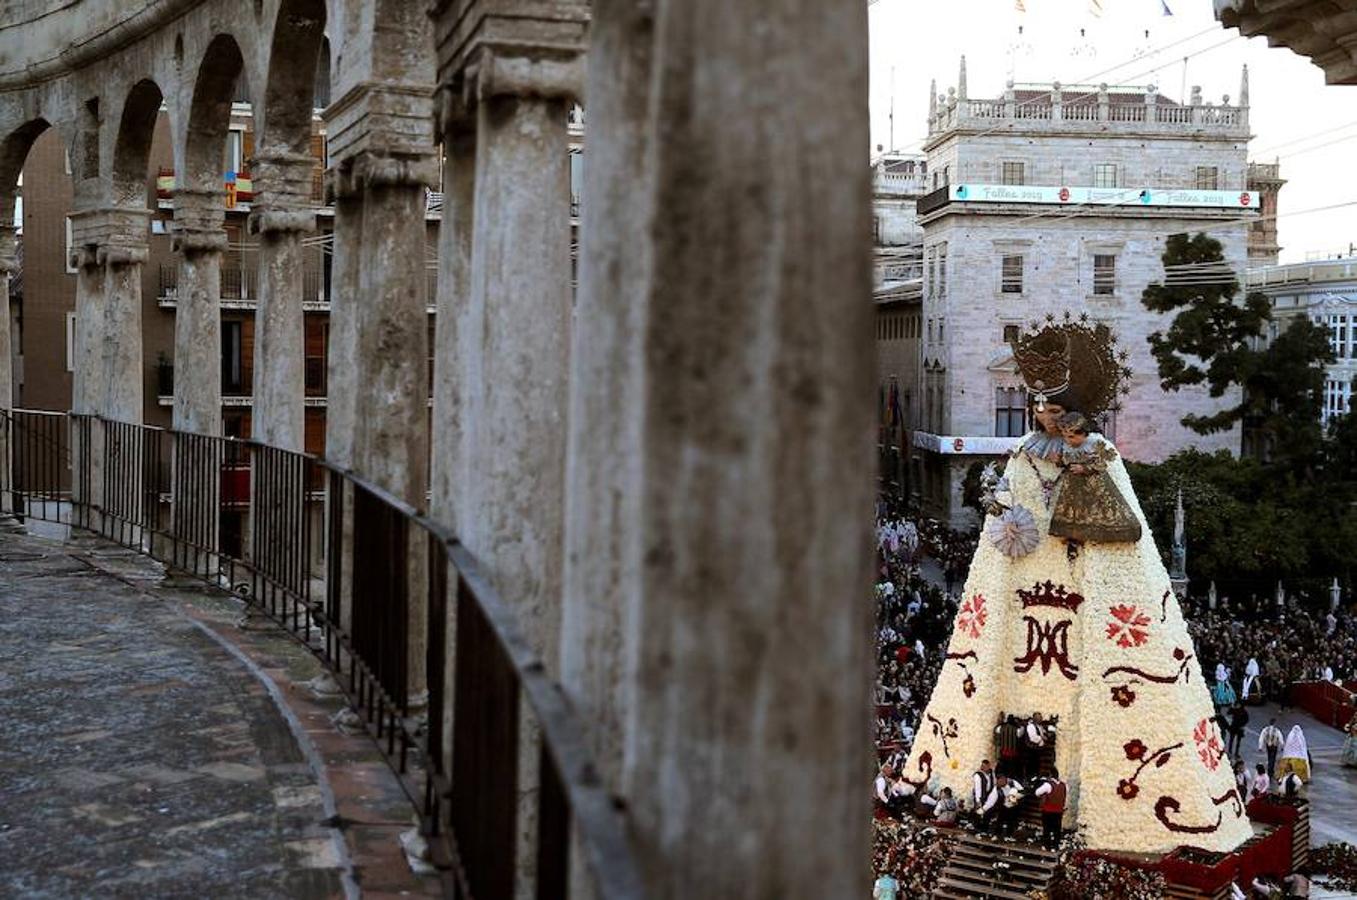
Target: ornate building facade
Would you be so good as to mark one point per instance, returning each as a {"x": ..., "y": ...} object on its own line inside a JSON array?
[{"x": 1053, "y": 199}]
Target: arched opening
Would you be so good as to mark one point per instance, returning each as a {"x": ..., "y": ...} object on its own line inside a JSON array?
[
  {"x": 133, "y": 148},
  {"x": 322, "y": 89},
  {"x": 294, "y": 67},
  {"x": 40, "y": 311},
  {"x": 220, "y": 80}
]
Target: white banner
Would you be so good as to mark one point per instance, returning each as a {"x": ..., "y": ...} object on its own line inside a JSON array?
[
  {"x": 964, "y": 445},
  {"x": 1069, "y": 196}
]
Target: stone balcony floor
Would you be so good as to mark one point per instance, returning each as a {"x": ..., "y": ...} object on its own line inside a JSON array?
[{"x": 150, "y": 748}]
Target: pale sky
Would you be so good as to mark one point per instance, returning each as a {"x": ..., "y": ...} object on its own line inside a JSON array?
[{"x": 1289, "y": 102}]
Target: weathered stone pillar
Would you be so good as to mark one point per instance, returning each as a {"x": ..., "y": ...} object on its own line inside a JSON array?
[
  {"x": 200, "y": 240},
  {"x": 9, "y": 264},
  {"x": 603, "y": 464},
  {"x": 448, "y": 474},
  {"x": 87, "y": 435},
  {"x": 341, "y": 412},
  {"x": 751, "y": 666},
  {"x": 108, "y": 248},
  {"x": 282, "y": 213},
  {"x": 197, "y": 460},
  {"x": 517, "y": 74},
  {"x": 391, "y": 363},
  {"x": 124, "y": 369},
  {"x": 454, "y": 288}
]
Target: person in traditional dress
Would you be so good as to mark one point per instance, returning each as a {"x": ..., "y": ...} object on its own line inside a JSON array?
[
  {"x": 1260, "y": 784},
  {"x": 1350, "y": 743},
  {"x": 1251, "y": 673},
  {"x": 1270, "y": 741},
  {"x": 1295, "y": 755},
  {"x": 1223, "y": 692}
]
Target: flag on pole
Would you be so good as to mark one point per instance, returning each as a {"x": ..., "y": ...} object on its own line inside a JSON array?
[
  {"x": 1095, "y": 7},
  {"x": 1165, "y": 5},
  {"x": 1020, "y": 6}
]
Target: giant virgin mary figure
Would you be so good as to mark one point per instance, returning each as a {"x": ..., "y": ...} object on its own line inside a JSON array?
[{"x": 1089, "y": 633}]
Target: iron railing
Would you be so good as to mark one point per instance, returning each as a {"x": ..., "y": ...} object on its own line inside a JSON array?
[{"x": 356, "y": 575}]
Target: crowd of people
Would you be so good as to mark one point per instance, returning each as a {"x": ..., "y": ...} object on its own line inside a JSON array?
[{"x": 1257, "y": 649}]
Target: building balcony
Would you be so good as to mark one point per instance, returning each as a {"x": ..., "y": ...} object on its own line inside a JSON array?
[{"x": 239, "y": 288}]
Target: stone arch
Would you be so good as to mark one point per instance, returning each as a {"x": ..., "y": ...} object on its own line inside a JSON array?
[
  {"x": 132, "y": 147},
  {"x": 209, "y": 113},
  {"x": 14, "y": 150},
  {"x": 288, "y": 98}
]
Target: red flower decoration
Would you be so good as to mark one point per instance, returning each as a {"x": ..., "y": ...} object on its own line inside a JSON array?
[
  {"x": 1209, "y": 747},
  {"x": 971, "y": 619},
  {"x": 1135, "y": 749},
  {"x": 1129, "y": 626},
  {"x": 1123, "y": 695},
  {"x": 1127, "y": 789}
]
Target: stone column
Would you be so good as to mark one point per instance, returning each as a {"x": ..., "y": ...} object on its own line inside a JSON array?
[
  {"x": 752, "y": 663},
  {"x": 282, "y": 213},
  {"x": 200, "y": 240},
  {"x": 603, "y": 464},
  {"x": 448, "y": 473},
  {"x": 514, "y": 365},
  {"x": 197, "y": 461},
  {"x": 447, "y": 476},
  {"x": 391, "y": 362},
  {"x": 124, "y": 369},
  {"x": 109, "y": 249},
  {"x": 9, "y": 264},
  {"x": 341, "y": 414},
  {"x": 86, "y": 435}
]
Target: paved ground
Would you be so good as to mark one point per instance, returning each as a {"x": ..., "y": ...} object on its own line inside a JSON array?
[
  {"x": 1333, "y": 792},
  {"x": 143, "y": 753}
]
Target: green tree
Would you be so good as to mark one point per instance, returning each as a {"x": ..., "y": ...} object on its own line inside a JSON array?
[{"x": 1210, "y": 340}]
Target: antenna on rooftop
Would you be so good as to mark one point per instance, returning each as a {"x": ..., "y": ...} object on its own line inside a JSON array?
[{"x": 891, "y": 143}]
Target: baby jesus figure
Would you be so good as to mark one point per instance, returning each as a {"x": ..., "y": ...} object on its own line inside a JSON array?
[{"x": 1088, "y": 506}]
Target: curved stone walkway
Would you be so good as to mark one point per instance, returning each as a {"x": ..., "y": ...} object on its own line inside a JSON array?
[{"x": 139, "y": 756}]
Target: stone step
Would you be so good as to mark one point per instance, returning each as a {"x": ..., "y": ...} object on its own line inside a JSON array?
[
  {"x": 986, "y": 872},
  {"x": 971, "y": 888},
  {"x": 988, "y": 845},
  {"x": 1017, "y": 862}
]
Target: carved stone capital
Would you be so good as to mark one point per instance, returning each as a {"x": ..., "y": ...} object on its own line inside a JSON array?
[
  {"x": 382, "y": 118},
  {"x": 496, "y": 73},
  {"x": 198, "y": 220},
  {"x": 282, "y": 194},
  {"x": 109, "y": 236},
  {"x": 509, "y": 47},
  {"x": 367, "y": 170}
]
